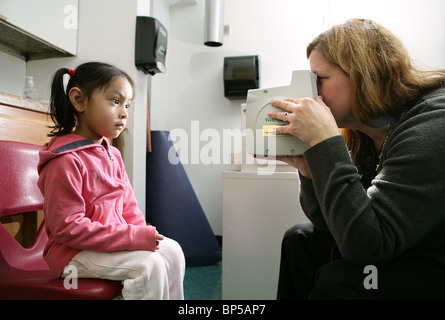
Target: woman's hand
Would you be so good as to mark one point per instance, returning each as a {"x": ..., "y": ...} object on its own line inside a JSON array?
[
  {"x": 309, "y": 120},
  {"x": 298, "y": 162}
]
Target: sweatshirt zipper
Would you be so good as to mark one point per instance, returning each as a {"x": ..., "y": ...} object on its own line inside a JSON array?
[{"x": 109, "y": 156}]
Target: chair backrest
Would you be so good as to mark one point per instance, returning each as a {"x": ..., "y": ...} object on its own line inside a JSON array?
[
  {"x": 18, "y": 183},
  {"x": 19, "y": 193}
]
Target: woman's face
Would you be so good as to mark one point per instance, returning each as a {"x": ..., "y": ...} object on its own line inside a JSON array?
[{"x": 335, "y": 88}]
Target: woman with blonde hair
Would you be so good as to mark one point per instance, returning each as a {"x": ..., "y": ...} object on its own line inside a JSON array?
[{"x": 372, "y": 183}]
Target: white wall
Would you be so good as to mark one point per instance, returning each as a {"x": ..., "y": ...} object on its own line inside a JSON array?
[
  {"x": 159, "y": 88},
  {"x": 192, "y": 88},
  {"x": 278, "y": 31},
  {"x": 418, "y": 23},
  {"x": 196, "y": 90},
  {"x": 12, "y": 74},
  {"x": 106, "y": 33}
]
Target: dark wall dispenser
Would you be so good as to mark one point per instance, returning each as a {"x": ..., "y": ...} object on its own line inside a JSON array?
[
  {"x": 241, "y": 73},
  {"x": 150, "y": 46}
]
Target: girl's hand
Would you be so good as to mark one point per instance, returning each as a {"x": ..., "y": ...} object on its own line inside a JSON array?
[
  {"x": 159, "y": 237},
  {"x": 309, "y": 120}
]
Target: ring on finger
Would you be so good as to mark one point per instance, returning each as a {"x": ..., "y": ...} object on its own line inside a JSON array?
[{"x": 286, "y": 114}]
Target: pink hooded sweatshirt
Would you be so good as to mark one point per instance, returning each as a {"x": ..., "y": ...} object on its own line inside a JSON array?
[{"x": 89, "y": 201}]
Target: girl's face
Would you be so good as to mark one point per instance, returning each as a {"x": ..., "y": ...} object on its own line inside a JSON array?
[
  {"x": 335, "y": 88},
  {"x": 106, "y": 111}
]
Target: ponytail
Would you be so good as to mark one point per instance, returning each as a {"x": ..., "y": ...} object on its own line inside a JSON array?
[{"x": 62, "y": 111}]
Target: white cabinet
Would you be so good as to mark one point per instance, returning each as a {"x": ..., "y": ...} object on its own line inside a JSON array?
[
  {"x": 36, "y": 29},
  {"x": 257, "y": 211}
]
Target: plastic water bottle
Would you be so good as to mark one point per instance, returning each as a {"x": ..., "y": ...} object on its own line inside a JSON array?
[{"x": 30, "y": 90}]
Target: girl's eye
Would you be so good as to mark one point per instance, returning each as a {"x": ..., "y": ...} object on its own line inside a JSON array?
[
  {"x": 127, "y": 106},
  {"x": 115, "y": 101}
]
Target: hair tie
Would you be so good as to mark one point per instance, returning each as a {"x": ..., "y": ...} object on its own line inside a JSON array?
[{"x": 66, "y": 78}]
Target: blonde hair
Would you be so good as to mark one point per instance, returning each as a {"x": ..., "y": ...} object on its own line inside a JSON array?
[{"x": 382, "y": 74}]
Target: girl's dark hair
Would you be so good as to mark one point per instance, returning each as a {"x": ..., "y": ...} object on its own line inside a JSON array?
[{"x": 88, "y": 77}]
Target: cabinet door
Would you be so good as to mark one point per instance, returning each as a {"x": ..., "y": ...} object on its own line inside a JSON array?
[
  {"x": 54, "y": 21},
  {"x": 257, "y": 211}
]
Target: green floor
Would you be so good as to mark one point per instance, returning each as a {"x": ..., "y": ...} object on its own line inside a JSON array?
[{"x": 203, "y": 282}]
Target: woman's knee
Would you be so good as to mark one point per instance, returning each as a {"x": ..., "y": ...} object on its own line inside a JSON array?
[{"x": 297, "y": 232}]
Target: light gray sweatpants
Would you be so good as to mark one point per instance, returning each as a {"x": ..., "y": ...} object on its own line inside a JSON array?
[{"x": 145, "y": 275}]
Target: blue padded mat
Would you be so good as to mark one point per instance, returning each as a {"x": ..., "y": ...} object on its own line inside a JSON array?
[{"x": 173, "y": 208}]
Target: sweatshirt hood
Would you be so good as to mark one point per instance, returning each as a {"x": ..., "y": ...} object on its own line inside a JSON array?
[{"x": 64, "y": 144}]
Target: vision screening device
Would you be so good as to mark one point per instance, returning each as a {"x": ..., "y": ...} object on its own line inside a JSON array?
[{"x": 260, "y": 140}]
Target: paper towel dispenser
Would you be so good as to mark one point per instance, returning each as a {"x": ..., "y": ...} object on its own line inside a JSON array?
[
  {"x": 241, "y": 73},
  {"x": 151, "y": 45}
]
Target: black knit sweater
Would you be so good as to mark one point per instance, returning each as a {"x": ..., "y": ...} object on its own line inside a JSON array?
[{"x": 402, "y": 211}]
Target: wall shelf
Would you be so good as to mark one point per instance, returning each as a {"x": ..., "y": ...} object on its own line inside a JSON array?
[{"x": 26, "y": 46}]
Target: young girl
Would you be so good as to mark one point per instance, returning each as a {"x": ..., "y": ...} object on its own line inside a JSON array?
[{"x": 92, "y": 218}]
